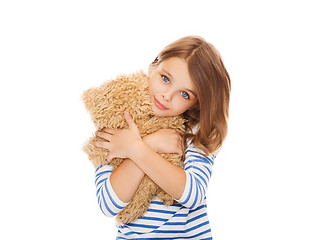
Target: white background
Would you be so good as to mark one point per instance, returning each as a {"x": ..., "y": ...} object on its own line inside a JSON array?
[{"x": 274, "y": 176}]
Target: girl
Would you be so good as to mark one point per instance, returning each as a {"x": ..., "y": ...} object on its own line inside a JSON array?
[{"x": 187, "y": 78}]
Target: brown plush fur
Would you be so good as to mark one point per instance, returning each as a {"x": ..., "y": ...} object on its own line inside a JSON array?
[{"x": 106, "y": 105}]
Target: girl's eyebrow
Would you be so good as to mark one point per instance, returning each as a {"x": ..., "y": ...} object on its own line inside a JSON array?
[
  {"x": 167, "y": 73},
  {"x": 171, "y": 76},
  {"x": 191, "y": 92}
]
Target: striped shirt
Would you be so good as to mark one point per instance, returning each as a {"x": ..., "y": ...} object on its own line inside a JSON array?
[{"x": 187, "y": 219}]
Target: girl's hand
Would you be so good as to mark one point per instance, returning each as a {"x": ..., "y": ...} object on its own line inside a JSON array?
[
  {"x": 164, "y": 141},
  {"x": 119, "y": 142}
]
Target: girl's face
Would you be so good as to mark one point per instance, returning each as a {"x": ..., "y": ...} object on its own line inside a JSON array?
[{"x": 170, "y": 88}]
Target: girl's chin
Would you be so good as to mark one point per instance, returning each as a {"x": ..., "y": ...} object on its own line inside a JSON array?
[{"x": 159, "y": 113}]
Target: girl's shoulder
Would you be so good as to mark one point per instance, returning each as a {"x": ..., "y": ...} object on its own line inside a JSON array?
[
  {"x": 191, "y": 149},
  {"x": 191, "y": 146}
]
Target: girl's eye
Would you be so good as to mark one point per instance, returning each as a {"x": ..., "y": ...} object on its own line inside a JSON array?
[
  {"x": 185, "y": 95},
  {"x": 165, "y": 79}
]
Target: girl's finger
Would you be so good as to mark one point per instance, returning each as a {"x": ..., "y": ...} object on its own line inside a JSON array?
[
  {"x": 103, "y": 135},
  {"x": 129, "y": 120},
  {"x": 100, "y": 144},
  {"x": 109, "y": 130},
  {"x": 110, "y": 157}
]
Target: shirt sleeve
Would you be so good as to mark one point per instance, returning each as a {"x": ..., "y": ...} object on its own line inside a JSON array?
[
  {"x": 108, "y": 201},
  {"x": 198, "y": 169}
]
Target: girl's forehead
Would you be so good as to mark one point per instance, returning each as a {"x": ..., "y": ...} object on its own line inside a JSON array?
[{"x": 175, "y": 67}]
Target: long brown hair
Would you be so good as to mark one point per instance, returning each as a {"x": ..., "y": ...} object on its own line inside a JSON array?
[{"x": 213, "y": 86}]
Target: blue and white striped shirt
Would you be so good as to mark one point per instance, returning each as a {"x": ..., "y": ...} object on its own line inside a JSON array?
[{"x": 186, "y": 219}]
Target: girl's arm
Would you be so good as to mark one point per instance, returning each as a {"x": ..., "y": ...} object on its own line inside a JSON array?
[
  {"x": 170, "y": 178},
  {"x": 125, "y": 180},
  {"x": 198, "y": 170},
  {"x": 127, "y": 143},
  {"x": 124, "y": 186},
  {"x": 197, "y": 166},
  {"x": 108, "y": 201},
  {"x": 189, "y": 185}
]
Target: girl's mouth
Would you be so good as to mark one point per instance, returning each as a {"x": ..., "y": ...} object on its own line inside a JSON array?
[{"x": 159, "y": 105}]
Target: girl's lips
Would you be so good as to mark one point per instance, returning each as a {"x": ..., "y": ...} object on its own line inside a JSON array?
[{"x": 159, "y": 105}]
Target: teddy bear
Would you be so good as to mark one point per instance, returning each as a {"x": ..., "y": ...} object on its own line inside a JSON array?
[{"x": 106, "y": 105}]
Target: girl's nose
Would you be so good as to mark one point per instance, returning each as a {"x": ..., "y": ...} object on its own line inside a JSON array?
[{"x": 167, "y": 96}]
